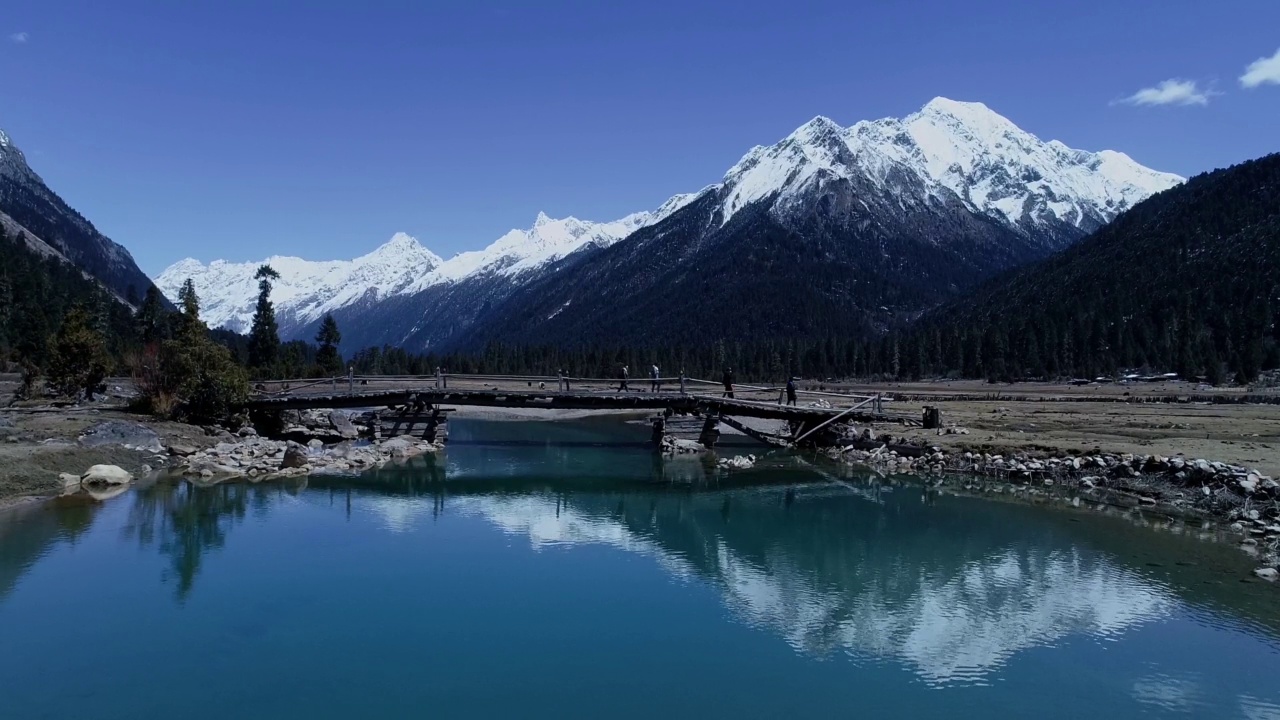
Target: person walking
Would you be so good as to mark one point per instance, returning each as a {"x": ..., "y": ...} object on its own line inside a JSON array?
[
  {"x": 728, "y": 382},
  {"x": 626, "y": 373},
  {"x": 791, "y": 391},
  {"x": 654, "y": 385}
]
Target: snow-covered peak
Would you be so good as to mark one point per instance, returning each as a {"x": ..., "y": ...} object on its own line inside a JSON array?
[
  {"x": 548, "y": 240},
  {"x": 12, "y": 162},
  {"x": 306, "y": 289},
  {"x": 963, "y": 150}
]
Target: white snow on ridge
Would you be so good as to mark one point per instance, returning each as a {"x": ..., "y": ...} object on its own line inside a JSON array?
[
  {"x": 307, "y": 288},
  {"x": 966, "y": 148},
  {"x": 946, "y": 150}
]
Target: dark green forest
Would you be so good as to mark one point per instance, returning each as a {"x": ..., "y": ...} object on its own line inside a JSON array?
[{"x": 36, "y": 293}]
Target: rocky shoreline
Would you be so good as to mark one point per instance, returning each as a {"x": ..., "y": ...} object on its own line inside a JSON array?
[
  {"x": 258, "y": 459},
  {"x": 1231, "y": 498}
]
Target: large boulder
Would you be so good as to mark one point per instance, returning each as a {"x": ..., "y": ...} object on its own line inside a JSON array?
[
  {"x": 182, "y": 449},
  {"x": 342, "y": 424},
  {"x": 295, "y": 456},
  {"x": 401, "y": 447},
  {"x": 121, "y": 432},
  {"x": 106, "y": 475}
]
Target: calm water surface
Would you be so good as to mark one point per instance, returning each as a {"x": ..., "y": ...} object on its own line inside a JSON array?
[{"x": 562, "y": 570}]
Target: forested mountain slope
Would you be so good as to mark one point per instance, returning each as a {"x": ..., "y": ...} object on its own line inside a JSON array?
[{"x": 1188, "y": 281}]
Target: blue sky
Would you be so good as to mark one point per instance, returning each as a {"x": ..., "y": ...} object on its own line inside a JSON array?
[{"x": 240, "y": 129}]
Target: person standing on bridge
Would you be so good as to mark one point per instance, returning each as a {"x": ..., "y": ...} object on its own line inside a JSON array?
[
  {"x": 791, "y": 390},
  {"x": 728, "y": 382},
  {"x": 654, "y": 385},
  {"x": 623, "y": 376}
]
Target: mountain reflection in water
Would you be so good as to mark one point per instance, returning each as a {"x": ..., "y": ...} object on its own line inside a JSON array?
[{"x": 835, "y": 562}]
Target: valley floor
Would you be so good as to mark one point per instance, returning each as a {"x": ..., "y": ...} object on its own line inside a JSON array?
[
  {"x": 37, "y": 445},
  {"x": 1027, "y": 416}
]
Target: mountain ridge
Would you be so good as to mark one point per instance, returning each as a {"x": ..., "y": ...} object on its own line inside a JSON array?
[
  {"x": 45, "y": 219},
  {"x": 951, "y": 179}
]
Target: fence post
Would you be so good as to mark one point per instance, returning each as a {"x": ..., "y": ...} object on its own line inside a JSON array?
[
  {"x": 351, "y": 380},
  {"x": 682, "y": 382}
]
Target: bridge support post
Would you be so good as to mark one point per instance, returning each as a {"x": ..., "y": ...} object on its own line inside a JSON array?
[
  {"x": 659, "y": 429},
  {"x": 710, "y": 431}
]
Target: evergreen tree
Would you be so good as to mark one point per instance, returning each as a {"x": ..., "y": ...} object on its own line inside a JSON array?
[
  {"x": 152, "y": 316},
  {"x": 79, "y": 360},
  {"x": 190, "y": 302},
  {"x": 264, "y": 337},
  {"x": 328, "y": 338}
]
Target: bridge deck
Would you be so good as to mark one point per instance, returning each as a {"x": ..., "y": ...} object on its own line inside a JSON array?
[{"x": 558, "y": 400}]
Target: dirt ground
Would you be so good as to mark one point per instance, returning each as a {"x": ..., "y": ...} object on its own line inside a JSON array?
[
  {"x": 1247, "y": 435},
  {"x": 36, "y": 444}
]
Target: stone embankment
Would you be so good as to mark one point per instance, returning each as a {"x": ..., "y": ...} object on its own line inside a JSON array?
[{"x": 1245, "y": 501}]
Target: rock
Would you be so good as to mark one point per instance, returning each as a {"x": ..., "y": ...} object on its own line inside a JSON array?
[
  {"x": 248, "y": 431},
  {"x": 739, "y": 462},
  {"x": 105, "y": 475},
  {"x": 1249, "y": 485},
  {"x": 343, "y": 425},
  {"x": 181, "y": 450},
  {"x": 1267, "y": 573},
  {"x": 399, "y": 442},
  {"x": 121, "y": 432},
  {"x": 315, "y": 444},
  {"x": 69, "y": 480},
  {"x": 680, "y": 446},
  {"x": 295, "y": 456}
]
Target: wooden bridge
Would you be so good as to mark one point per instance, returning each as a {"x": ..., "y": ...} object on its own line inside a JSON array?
[{"x": 684, "y": 406}]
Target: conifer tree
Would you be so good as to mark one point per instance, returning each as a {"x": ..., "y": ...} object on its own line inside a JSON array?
[
  {"x": 79, "y": 359},
  {"x": 190, "y": 302},
  {"x": 328, "y": 338},
  {"x": 264, "y": 337},
  {"x": 151, "y": 317}
]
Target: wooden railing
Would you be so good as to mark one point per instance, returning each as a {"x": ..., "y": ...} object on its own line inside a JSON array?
[{"x": 680, "y": 384}]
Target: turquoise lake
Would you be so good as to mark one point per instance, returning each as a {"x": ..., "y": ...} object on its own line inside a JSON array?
[{"x": 564, "y": 570}]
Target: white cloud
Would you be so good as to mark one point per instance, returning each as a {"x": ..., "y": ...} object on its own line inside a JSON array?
[
  {"x": 1262, "y": 71},
  {"x": 1171, "y": 92},
  {"x": 19, "y": 37}
]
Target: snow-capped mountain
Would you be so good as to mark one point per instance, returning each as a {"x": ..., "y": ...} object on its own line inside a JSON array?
[
  {"x": 831, "y": 229},
  {"x": 53, "y": 229},
  {"x": 831, "y": 232},
  {"x": 308, "y": 289},
  {"x": 948, "y": 149}
]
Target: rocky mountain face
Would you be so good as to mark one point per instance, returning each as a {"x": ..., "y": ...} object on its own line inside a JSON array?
[
  {"x": 830, "y": 230},
  {"x": 50, "y": 227}
]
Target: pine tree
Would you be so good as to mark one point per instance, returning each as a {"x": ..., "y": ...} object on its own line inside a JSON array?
[
  {"x": 264, "y": 337},
  {"x": 151, "y": 317},
  {"x": 328, "y": 338},
  {"x": 190, "y": 302},
  {"x": 79, "y": 361}
]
